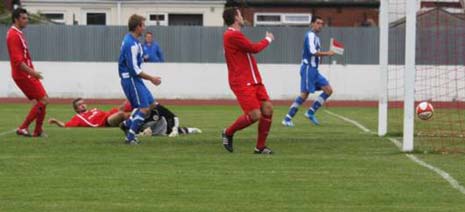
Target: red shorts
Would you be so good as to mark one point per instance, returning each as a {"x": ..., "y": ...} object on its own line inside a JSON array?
[
  {"x": 127, "y": 106},
  {"x": 112, "y": 111},
  {"x": 251, "y": 97},
  {"x": 31, "y": 87}
]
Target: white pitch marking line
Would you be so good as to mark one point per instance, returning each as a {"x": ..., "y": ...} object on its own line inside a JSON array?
[
  {"x": 395, "y": 142},
  {"x": 7, "y": 132},
  {"x": 446, "y": 176},
  {"x": 363, "y": 128}
]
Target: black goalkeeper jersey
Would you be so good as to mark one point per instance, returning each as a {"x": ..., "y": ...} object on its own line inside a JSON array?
[{"x": 161, "y": 112}]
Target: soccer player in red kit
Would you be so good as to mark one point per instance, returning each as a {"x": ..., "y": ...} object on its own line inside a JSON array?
[
  {"x": 24, "y": 74},
  {"x": 94, "y": 117},
  {"x": 245, "y": 81}
]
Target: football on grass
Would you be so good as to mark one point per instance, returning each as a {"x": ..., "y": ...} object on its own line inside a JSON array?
[{"x": 425, "y": 110}]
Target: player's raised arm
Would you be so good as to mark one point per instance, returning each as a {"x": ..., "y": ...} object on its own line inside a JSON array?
[
  {"x": 239, "y": 40},
  {"x": 246, "y": 82}
]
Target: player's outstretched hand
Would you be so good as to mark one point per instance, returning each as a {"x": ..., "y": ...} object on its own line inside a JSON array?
[
  {"x": 270, "y": 35},
  {"x": 56, "y": 122},
  {"x": 52, "y": 121},
  {"x": 146, "y": 132},
  {"x": 331, "y": 53},
  {"x": 38, "y": 75},
  {"x": 156, "y": 80},
  {"x": 174, "y": 132}
]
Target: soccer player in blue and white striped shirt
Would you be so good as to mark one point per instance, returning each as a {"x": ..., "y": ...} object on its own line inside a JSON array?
[
  {"x": 131, "y": 74},
  {"x": 310, "y": 78}
]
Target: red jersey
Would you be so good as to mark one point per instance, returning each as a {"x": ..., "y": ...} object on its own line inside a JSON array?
[
  {"x": 91, "y": 118},
  {"x": 19, "y": 52},
  {"x": 242, "y": 66}
]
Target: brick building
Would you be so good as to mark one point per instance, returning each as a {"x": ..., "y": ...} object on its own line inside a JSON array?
[
  {"x": 9, "y": 4},
  {"x": 339, "y": 13}
]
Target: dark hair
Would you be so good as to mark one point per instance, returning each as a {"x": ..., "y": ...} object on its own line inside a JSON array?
[
  {"x": 17, "y": 13},
  {"x": 74, "y": 103},
  {"x": 135, "y": 21},
  {"x": 229, "y": 15},
  {"x": 315, "y": 17}
]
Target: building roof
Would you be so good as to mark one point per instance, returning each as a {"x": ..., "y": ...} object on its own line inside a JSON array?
[
  {"x": 432, "y": 13},
  {"x": 304, "y": 2}
]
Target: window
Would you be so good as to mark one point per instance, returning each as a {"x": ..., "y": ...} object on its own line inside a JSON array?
[
  {"x": 282, "y": 19},
  {"x": 185, "y": 19},
  {"x": 158, "y": 19},
  {"x": 96, "y": 18},
  {"x": 267, "y": 19},
  {"x": 55, "y": 17},
  {"x": 154, "y": 17},
  {"x": 297, "y": 18}
]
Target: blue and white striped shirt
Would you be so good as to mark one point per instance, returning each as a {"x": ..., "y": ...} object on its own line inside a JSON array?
[
  {"x": 131, "y": 58},
  {"x": 311, "y": 47}
]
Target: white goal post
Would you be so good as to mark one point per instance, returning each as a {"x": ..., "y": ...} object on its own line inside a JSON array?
[
  {"x": 383, "y": 65},
  {"x": 409, "y": 75}
]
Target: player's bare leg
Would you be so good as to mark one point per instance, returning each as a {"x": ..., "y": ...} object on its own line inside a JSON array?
[
  {"x": 264, "y": 126},
  {"x": 115, "y": 119},
  {"x": 319, "y": 101},
  {"x": 327, "y": 89},
  {"x": 242, "y": 122},
  {"x": 287, "y": 121}
]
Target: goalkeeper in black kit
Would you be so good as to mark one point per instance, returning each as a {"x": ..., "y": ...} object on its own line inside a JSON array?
[{"x": 162, "y": 122}]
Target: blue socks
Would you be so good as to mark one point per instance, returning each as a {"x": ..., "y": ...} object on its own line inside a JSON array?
[
  {"x": 134, "y": 123},
  {"x": 319, "y": 101},
  {"x": 294, "y": 108}
]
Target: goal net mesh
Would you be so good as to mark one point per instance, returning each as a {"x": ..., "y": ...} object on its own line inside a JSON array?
[{"x": 440, "y": 73}]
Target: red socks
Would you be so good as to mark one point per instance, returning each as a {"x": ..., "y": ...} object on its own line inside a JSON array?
[
  {"x": 37, "y": 113},
  {"x": 242, "y": 122},
  {"x": 264, "y": 126},
  {"x": 30, "y": 117},
  {"x": 41, "y": 111}
]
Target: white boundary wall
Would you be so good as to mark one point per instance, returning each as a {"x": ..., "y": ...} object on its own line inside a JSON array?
[{"x": 190, "y": 80}]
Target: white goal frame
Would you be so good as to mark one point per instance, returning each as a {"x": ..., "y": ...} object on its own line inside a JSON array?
[{"x": 409, "y": 76}]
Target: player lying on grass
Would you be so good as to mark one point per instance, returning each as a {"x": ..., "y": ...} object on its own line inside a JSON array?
[
  {"x": 160, "y": 122},
  {"x": 94, "y": 117}
]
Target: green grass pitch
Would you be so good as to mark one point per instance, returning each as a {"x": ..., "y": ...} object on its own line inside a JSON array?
[{"x": 332, "y": 167}]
